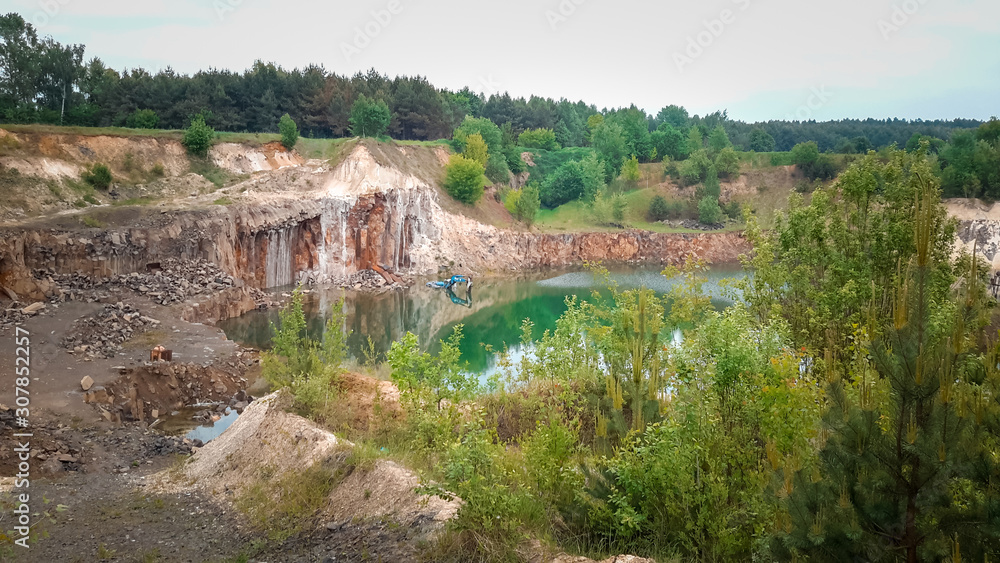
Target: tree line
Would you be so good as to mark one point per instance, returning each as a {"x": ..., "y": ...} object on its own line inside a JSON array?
[{"x": 44, "y": 81}]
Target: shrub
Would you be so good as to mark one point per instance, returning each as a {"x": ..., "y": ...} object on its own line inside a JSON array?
[
  {"x": 694, "y": 169},
  {"x": 538, "y": 139},
  {"x": 727, "y": 163},
  {"x": 659, "y": 209},
  {"x": 732, "y": 210},
  {"x": 143, "y": 119},
  {"x": 609, "y": 209},
  {"x": 464, "y": 179},
  {"x": 476, "y": 149},
  {"x": 488, "y": 130},
  {"x": 496, "y": 169},
  {"x": 709, "y": 212},
  {"x": 198, "y": 136},
  {"x": 630, "y": 170},
  {"x": 514, "y": 162},
  {"x": 369, "y": 118},
  {"x": 289, "y": 131},
  {"x": 158, "y": 170},
  {"x": 98, "y": 175},
  {"x": 712, "y": 187},
  {"x": 523, "y": 204}
]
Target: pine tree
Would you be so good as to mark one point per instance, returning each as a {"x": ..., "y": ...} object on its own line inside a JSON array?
[{"x": 908, "y": 467}]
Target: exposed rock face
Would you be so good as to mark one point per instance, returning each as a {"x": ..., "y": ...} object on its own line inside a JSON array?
[
  {"x": 978, "y": 227},
  {"x": 365, "y": 214}
]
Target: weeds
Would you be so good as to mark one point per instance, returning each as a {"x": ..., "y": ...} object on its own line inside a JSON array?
[{"x": 282, "y": 508}]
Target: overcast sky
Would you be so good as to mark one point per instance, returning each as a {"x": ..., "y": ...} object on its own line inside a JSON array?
[{"x": 760, "y": 59}]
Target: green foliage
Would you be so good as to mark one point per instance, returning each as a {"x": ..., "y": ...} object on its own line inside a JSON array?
[
  {"x": 712, "y": 187},
  {"x": 727, "y": 163},
  {"x": 761, "y": 141},
  {"x": 496, "y": 169},
  {"x": 523, "y": 204},
  {"x": 908, "y": 469},
  {"x": 709, "y": 212},
  {"x": 718, "y": 139},
  {"x": 289, "y": 131},
  {"x": 696, "y": 140},
  {"x": 972, "y": 164},
  {"x": 283, "y": 507},
  {"x": 573, "y": 180},
  {"x": 608, "y": 209},
  {"x": 608, "y": 139},
  {"x": 485, "y": 128},
  {"x": 369, "y": 117},
  {"x": 659, "y": 209},
  {"x": 669, "y": 142},
  {"x": 198, "y": 136},
  {"x": 538, "y": 139},
  {"x": 143, "y": 119},
  {"x": 695, "y": 168},
  {"x": 475, "y": 149},
  {"x": 464, "y": 179},
  {"x": 630, "y": 170},
  {"x": 308, "y": 368},
  {"x": 514, "y": 162},
  {"x": 426, "y": 381},
  {"x": 98, "y": 175},
  {"x": 814, "y": 165}
]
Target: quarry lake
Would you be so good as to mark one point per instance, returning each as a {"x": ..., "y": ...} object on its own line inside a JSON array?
[{"x": 491, "y": 316}]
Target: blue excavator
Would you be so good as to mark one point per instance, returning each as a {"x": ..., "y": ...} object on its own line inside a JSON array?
[{"x": 451, "y": 282}]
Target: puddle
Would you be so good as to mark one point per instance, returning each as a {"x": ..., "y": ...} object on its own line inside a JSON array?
[{"x": 181, "y": 424}]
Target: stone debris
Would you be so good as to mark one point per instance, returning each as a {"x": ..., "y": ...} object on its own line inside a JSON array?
[
  {"x": 367, "y": 280},
  {"x": 86, "y": 383},
  {"x": 173, "y": 282},
  {"x": 102, "y": 334}
]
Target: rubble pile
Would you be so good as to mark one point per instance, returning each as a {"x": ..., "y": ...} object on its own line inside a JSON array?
[
  {"x": 102, "y": 334},
  {"x": 16, "y": 314},
  {"x": 368, "y": 280}
]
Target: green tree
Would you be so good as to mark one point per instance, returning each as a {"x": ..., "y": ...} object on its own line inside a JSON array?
[
  {"x": 659, "y": 209},
  {"x": 485, "y": 128},
  {"x": 475, "y": 149},
  {"x": 538, "y": 139},
  {"x": 696, "y": 141},
  {"x": 497, "y": 170},
  {"x": 909, "y": 469},
  {"x": 464, "y": 179},
  {"x": 289, "y": 131},
  {"x": 675, "y": 116},
  {"x": 143, "y": 119},
  {"x": 712, "y": 186},
  {"x": 709, "y": 212},
  {"x": 695, "y": 168},
  {"x": 524, "y": 203},
  {"x": 608, "y": 139},
  {"x": 669, "y": 141},
  {"x": 727, "y": 163},
  {"x": 369, "y": 118},
  {"x": 630, "y": 170},
  {"x": 718, "y": 140},
  {"x": 761, "y": 141},
  {"x": 198, "y": 136}
]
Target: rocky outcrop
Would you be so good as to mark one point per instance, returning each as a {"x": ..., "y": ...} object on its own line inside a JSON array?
[
  {"x": 978, "y": 227},
  {"x": 368, "y": 213}
]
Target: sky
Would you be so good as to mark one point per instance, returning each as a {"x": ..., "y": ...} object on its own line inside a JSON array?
[{"x": 757, "y": 59}]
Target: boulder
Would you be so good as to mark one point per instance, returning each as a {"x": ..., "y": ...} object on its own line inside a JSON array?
[{"x": 86, "y": 383}]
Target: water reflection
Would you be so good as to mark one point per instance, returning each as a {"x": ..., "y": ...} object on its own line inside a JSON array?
[{"x": 492, "y": 314}]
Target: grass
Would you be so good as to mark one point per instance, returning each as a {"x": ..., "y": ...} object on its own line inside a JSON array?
[
  {"x": 281, "y": 507},
  {"x": 208, "y": 170},
  {"x": 224, "y": 200},
  {"x": 92, "y": 222},
  {"x": 144, "y": 200}
]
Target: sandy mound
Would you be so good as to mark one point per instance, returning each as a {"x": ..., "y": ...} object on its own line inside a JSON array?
[{"x": 265, "y": 436}]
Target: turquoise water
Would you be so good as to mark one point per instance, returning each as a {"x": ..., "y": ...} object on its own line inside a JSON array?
[{"x": 493, "y": 315}]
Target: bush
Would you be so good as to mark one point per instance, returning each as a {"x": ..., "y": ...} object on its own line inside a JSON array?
[
  {"x": 538, "y": 139},
  {"x": 630, "y": 170},
  {"x": 289, "y": 131},
  {"x": 369, "y": 118},
  {"x": 464, "y": 179},
  {"x": 523, "y": 204},
  {"x": 476, "y": 149},
  {"x": 143, "y": 119},
  {"x": 496, "y": 169},
  {"x": 712, "y": 187},
  {"x": 98, "y": 175},
  {"x": 709, "y": 212},
  {"x": 484, "y": 127},
  {"x": 609, "y": 209},
  {"x": 727, "y": 163},
  {"x": 694, "y": 169},
  {"x": 660, "y": 209},
  {"x": 198, "y": 136},
  {"x": 514, "y": 162},
  {"x": 732, "y": 210}
]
